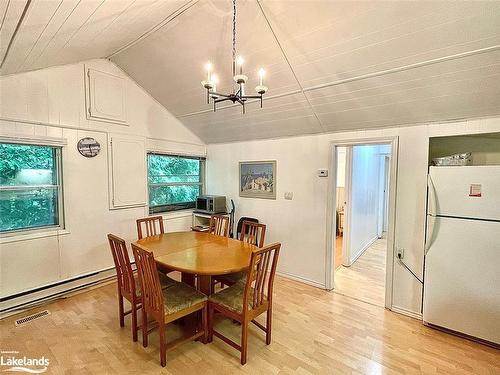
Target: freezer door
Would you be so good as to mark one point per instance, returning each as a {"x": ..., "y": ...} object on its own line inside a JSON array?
[
  {"x": 462, "y": 278},
  {"x": 470, "y": 192}
]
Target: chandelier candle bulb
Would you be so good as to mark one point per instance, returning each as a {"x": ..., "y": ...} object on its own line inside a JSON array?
[
  {"x": 261, "y": 76},
  {"x": 208, "y": 67},
  {"x": 240, "y": 62}
]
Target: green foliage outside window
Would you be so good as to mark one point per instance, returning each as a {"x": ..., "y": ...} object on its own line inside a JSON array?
[
  {"x": 174, "y": 182},
  {"x": 28, "y": 186}
]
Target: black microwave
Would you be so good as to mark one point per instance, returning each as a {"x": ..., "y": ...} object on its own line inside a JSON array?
[{"x": 211, "y": 204}]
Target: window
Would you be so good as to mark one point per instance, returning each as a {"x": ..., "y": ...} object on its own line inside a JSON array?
[
  {"x": 174, "y": 182},
  {"x": 30, "y": 189}
]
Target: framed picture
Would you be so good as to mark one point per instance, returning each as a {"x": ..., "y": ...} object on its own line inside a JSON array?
[{"x": 258, "y": 179}]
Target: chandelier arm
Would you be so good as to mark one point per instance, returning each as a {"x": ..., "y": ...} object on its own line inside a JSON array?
[
  {"x": 221, "y": 99},
  {"x": 219, "y": 94},
  {"x": 251, "y": 96}
]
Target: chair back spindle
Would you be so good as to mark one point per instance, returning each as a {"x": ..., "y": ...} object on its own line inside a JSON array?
[
  {"x": 219, "y": 225},
  {"x": 253, "y": 233},
  {"x": 260, "y": 279},
  {"x": 153, "y": 226},
  {"x": 123, "y": 268},
  {"x": 152, "y": 297}
]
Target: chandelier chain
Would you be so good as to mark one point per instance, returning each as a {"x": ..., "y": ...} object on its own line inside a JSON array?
[{"x": 234, "y": 35}]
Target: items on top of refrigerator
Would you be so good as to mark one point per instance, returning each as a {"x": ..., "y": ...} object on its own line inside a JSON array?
[{"x": 456, "y": 159}]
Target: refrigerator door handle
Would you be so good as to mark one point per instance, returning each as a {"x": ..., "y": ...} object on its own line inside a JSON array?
[
  {"x": 431, "y": 231},
  {"x": 431, "y": 219},
  {"x": 433, "y": 203}
]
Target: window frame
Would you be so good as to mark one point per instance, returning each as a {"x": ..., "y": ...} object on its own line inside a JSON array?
[
  {"x": 57, "y": 145},
  {"x": 162, "y": 209}
]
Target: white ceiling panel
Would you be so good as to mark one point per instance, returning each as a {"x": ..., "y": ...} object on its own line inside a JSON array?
[
  {"x": 37, "y": 19},
  {"x": 478, "y": 101},
  {"x": 331, "y": 65},
  {"x": 56, "y": 32},
  {"x": 10, "y": 13},
  {"x": 394, "y": 34},
  {"x": 176, "y": 54},
  {"x": 293, "y": 110}
]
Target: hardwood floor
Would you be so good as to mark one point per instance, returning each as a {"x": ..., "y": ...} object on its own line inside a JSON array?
[
  {"x": 365, "y": 279},
  {"x": 314, "y": 332},
  {"x": 338, "y": 251}
]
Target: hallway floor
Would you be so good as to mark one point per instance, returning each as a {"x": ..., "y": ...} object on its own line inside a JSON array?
[{"x": 365, "y": 279}]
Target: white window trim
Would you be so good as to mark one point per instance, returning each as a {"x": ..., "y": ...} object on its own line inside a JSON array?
[
  {"x": 35, "y": 141},
  {"x": 49, "y": 230},
  {"x": 186, "y": 211},
  {"x": 23, "y": 235}
]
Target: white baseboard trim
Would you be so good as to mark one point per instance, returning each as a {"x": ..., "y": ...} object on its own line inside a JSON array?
[
  {"x": 27, "y": 300},
  {"x": 301, "y": 279},
  {"x": 403, "y": 311},
  {"x": 371, "y": 242}
]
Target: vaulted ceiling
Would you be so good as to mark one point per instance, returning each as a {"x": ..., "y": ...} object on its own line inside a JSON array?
[{"x": 331, "y": 65}]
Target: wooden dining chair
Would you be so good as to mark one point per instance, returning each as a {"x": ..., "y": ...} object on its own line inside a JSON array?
[
  {"x": 247, "y": 299},
  {"x": 219, "y": 225},
  {"x": 253, "y": 233},
  {"x": 153, "y": 225},
  {"x": 166, "y": 305},
  {"x": 128, "y": 284}
]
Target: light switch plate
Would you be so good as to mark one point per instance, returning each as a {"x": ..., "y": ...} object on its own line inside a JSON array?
[
  {"x": 288, "y": 195},
  {"x": 322, "y": 172}
]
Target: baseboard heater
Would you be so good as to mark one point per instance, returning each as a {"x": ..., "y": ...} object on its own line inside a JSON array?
[{"x": 21, "y": 301}]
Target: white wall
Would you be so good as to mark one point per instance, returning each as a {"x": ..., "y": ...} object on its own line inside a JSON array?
[
  {"x": 364, "y": 189},
  {"x": 300, "y": 224},
  {"x": 51, "y": 103}
]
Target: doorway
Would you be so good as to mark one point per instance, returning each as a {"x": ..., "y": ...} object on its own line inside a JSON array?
[{"x": 362, "y": 229}]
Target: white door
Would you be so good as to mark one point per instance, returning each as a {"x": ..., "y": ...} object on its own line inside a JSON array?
[
  {"x": 462, "y": 278},
  {"x": 469, "y": 192}
]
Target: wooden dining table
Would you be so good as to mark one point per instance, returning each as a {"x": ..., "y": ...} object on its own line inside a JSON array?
[{"x": 198, "y": 254}]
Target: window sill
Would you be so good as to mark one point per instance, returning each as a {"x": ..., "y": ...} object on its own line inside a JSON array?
[
  {"x": 175, "y": 214},
  {"x": 7, "y": 238}
]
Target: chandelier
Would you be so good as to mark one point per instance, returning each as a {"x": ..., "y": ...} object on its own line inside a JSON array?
[{"x": 238, "y": 93}]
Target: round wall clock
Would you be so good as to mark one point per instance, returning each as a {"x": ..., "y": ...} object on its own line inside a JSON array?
[{"x": 88, "y": 147}]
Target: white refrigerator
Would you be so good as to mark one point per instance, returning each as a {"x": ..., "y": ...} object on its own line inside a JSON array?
[{"x": 462, "y": 252}]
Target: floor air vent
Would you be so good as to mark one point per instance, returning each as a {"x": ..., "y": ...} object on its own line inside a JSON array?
[{"x": 29, "y": 318}]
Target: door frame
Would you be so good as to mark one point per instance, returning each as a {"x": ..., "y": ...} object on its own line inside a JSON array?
[
  {"x": 332, "y": 204},
  {"x": 387, "y": 183}
]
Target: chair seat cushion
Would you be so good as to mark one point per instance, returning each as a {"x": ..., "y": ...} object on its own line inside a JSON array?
[
  {"x": 235, "y": 277},
  {"x": 181, "y": 296},
  {"x": 232, "y": 297},
  {"x": 165, "y": 282}
]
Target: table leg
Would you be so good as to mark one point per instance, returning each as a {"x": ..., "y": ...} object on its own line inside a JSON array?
[
  {"x": 205, "y": 284},
  {"x": 188, "y": 278}
]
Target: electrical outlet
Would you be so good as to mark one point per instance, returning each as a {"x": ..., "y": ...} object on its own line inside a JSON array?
[
  {"x": 288, "y": 195},
  {"x": 400, "y": 253}
]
